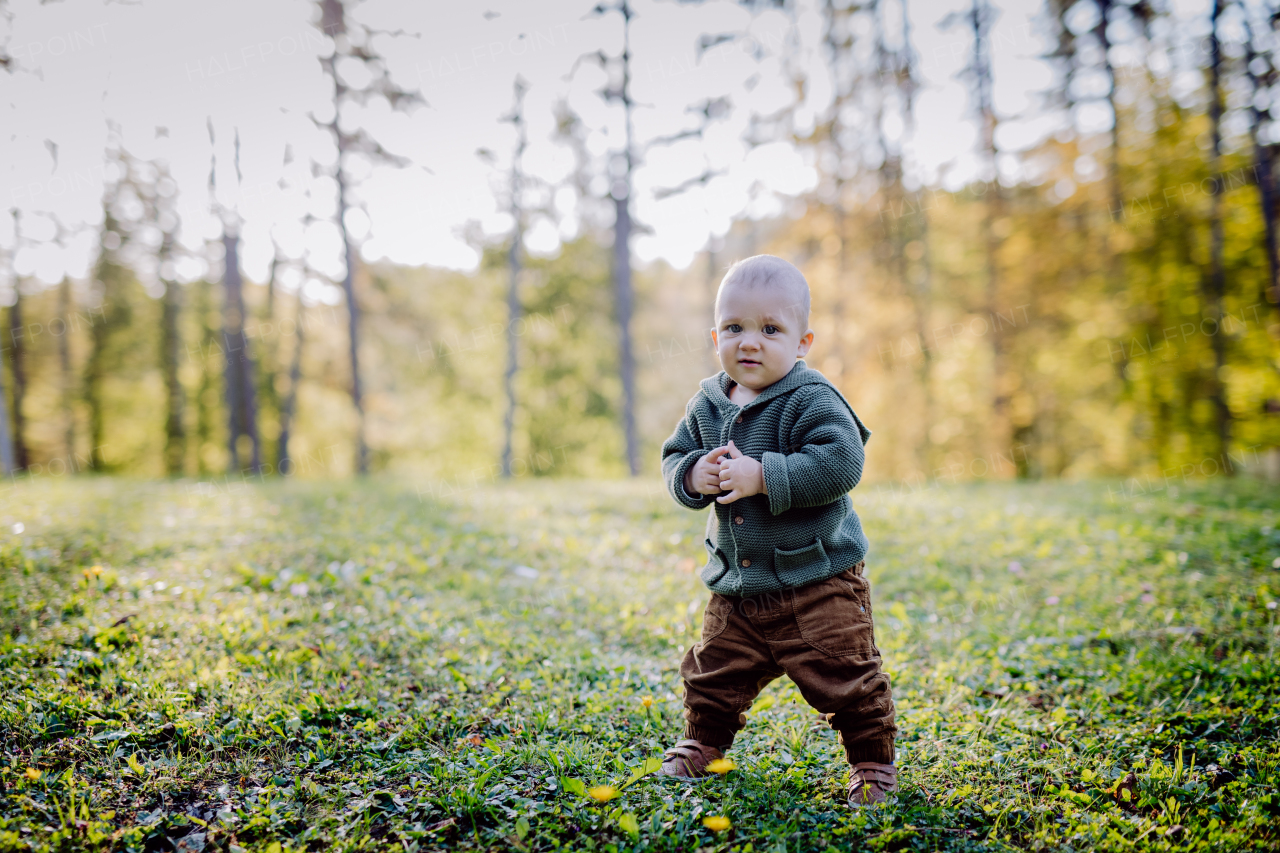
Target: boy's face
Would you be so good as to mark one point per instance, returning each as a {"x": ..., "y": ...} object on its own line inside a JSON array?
[{"x": 760, "y": 332}]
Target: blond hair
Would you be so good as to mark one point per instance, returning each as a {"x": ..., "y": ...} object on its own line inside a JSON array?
[{"x": 770, "y": 271}]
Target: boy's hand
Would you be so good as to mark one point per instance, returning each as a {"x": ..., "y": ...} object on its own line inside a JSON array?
[
  {"x": 740, "y": 476},
  {"x": 704, "y": 477}
]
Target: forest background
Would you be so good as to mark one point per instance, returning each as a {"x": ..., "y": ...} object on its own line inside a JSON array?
[{"x": 1102, "y": 302}]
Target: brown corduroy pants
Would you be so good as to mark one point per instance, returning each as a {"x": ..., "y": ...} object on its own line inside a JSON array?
[{"x": 820, "y": 635}]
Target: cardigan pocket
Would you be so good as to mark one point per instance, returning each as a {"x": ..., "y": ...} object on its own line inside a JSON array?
[
  {"x": 803, "y": 565},
  {"x": 715, "y": 618},
  {"x": 717, "y": 564}
]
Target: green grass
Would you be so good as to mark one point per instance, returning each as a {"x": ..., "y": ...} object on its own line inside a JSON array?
[{"x": 345, "y": 666}]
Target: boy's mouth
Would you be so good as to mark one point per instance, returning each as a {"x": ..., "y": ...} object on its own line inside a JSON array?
[{"x": 748, "y": 361}]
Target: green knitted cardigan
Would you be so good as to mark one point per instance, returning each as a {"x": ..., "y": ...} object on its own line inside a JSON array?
[{"x": 810, "y": 443}]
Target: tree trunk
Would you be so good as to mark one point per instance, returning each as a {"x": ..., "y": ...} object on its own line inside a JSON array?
[
  {"x": 17, "y": 361},
  {"x": 64, "y": 364},
  {"x": 230, "y": 376},
  {"x": 6, "y": 440},
  {"x": 622, "y": 261},
  {"x": 353, "y": 334},
  {"x": 513, "y": 285},
  {"x": 333, "y": 21},
  {"x": 838, "y": 46},
  {"x": 1215, "y": 283},
  {"x": 269, "y": 360},
  {"x": 920, "y": 290},
  {"x": 1113, "y": 166},
  {"x": 291, "y": 398},
  {"x": 1265, "y": 176},
  {"x": 271, "y": 285},
  {"x": 920, "y": 276},
  {"x": 334, "y": 24},
  {"x": 509, "y": 375},
  {"x": 206, "y": 411},
  {"x": 623, "y": 299},
  {"x": 94, "y": 373},
  {"x": 353, "y": 315},
  {"x": 175, "y": 433},
  {"x": 980, "y": 24},
  {"x": 241, "y": 397},
  {"x": 905, "y": 227}
]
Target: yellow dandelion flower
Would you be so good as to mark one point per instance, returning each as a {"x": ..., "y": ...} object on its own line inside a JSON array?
[
  {"x": 602, "y": 793},
  {"x": 718, "y": 823},
  {"x": 97, "y": 570},
  {"x": 646, "y": 701},
  {"x": 721, "y": 766},
  {"x": 33, "y": 774}
]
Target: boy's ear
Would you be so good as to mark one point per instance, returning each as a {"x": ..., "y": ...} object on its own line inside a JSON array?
[
  {"x": 715, "y": 339},
  {"x": 806, "y": 341}
]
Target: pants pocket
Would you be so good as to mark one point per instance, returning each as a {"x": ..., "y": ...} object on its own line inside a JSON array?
[
  {"x": 834, "y": 615},
  {"x": 715, "y": 618},
  {"x": 860, "y": 589}
]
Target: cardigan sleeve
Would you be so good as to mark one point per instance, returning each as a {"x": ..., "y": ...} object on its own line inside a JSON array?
[
  {"x": 826, "y": 454},
  {"x": 681, "y": 452}
]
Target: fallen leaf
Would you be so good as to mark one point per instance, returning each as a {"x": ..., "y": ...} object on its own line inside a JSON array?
[{"x": 1126, "y": 792}]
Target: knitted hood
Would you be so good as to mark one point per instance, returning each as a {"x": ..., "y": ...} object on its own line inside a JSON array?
[{"x": 715, "y": 389}]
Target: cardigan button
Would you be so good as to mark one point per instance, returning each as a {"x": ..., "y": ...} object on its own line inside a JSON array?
[
  {"x": 738, "y": 520},
  {"x": 746, "y": 563},
  {"x": 739, "y": 419}
]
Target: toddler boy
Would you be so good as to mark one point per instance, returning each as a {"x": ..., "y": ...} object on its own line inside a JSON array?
[{"x": 774, "y": 448}]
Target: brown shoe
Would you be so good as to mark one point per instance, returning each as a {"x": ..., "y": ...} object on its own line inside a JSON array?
[
  {"x": 688, "y": 760},
  {"x": 871, "y": 784}
]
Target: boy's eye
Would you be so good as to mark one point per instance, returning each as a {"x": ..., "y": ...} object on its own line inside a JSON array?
[
  {"x": 733, "y": 327},
  {"x": 770, "y": 329}
]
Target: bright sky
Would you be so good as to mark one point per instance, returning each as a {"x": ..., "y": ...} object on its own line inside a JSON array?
[{"x": 250, "y": 65}]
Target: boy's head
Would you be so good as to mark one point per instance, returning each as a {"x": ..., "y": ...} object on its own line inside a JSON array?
[{"x": 762, "y": 321}]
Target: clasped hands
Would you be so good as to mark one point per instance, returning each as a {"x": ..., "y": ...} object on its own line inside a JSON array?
[{"x": 727, "y": 472}]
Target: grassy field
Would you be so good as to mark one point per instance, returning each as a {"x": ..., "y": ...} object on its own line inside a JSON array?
[{"x": 347, "y": 666}]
